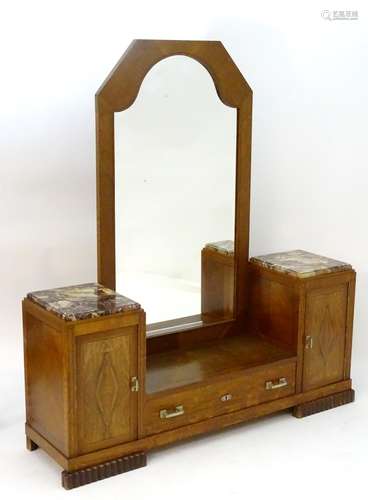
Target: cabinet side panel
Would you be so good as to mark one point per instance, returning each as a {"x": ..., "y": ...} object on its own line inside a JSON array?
[
  {"x": 217, "y": 284},
  {"x": 106, "y": 406},
  {"x": 273, "y": 310},
  {"x": 45, "y": 377},
  {"x": 349, "y": 326},
  {"x": 325, "y": 327}
]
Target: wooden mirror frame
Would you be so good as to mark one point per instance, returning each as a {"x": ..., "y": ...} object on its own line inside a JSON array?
[{"x": 119, "y": 91}]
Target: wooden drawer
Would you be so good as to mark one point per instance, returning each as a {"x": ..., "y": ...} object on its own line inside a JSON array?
[{"x": 187, "y": 406}]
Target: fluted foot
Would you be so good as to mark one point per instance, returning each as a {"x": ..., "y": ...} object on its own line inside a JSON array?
[
  {"x": 322, "y": 404},
  {"x": 81, "y": 477}
]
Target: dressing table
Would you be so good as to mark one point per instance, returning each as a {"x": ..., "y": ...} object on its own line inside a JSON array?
[{"x": 104, "y": 385}]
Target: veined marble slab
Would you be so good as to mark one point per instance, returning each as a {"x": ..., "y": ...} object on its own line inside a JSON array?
[
  {"x": 300, "y": 263},
  {"x": 226, "y": 246},
  {"x": 90, "y": 300}
]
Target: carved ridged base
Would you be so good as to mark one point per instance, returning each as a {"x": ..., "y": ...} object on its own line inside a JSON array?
[
  {"x": 322, "y": 404},
  {"x": 81, "y": 477}
]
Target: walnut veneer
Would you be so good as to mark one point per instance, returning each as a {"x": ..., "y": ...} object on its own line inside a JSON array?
[{"x": 274, "y": 333}]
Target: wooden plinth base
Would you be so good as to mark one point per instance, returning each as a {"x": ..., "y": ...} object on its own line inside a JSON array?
[
  {"x": 30, "y": 445},
  {"x": 77, "y": 478},
  {"x": 322, "y": 404}
]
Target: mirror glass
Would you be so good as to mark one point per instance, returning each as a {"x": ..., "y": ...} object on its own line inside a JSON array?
[{"x": 175, "y": 164}]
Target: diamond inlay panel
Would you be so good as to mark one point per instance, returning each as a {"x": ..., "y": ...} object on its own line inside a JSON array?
[
  {"x": 106, "y": 405},
  {"x": 325, "y": 323},
  {"x": 107, "y": 391}
]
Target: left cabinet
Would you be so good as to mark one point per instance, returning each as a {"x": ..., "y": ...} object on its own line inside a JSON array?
[{"x": 83, "y": 365}]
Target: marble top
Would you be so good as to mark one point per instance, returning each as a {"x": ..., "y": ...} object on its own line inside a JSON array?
[
  {"x": 90, "y": 300},
  {"x": 226, "y": 246},
  {"x": 300, "y": 263}
]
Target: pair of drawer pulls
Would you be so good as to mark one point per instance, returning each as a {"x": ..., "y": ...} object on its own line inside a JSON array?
[{"x": 179, "y": 410}]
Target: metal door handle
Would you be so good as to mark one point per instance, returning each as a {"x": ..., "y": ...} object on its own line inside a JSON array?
[
  {"x": 309, "y": 342},
  {"x": 134, "y": 384},
  {"x": 176, "y": 412},
  {"x": 282, "y": 382}
]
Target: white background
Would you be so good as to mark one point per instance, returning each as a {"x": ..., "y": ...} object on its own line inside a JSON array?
[{"x": 309, "y": 190}]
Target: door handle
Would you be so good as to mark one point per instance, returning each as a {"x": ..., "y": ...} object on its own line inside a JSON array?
[
  {"x": 309, "y": 342},
  {"x": 134, "y": 384},
  {"x": 276, "y": 385},
  {"x": 176, "y": 412}
]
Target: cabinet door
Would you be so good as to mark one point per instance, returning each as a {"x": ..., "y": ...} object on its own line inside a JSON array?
[
  {"x": 106, "y": 405},
  {"x": 325, "y": 333}
]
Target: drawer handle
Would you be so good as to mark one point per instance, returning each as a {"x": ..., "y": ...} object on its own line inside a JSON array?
[
  {"x": 282, "y": 382},
  {"x": 226, "y": 397},
  {"x": 179, "y": 410}
]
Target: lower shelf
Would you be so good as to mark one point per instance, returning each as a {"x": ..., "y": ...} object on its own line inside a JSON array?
[{"x": 178, "y": 368}]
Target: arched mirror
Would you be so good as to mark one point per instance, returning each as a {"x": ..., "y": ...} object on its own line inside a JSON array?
[
  {"x": 173, "y": 128},
  {"x": 175, "y": 166}
]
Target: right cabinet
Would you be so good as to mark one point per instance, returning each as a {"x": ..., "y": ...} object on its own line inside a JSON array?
[
  {"x": 325, "y": 336},
  {"x": 305, "y": 302}
]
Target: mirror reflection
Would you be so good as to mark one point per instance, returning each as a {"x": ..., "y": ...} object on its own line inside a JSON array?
[{"x": 175, "y": 159}]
